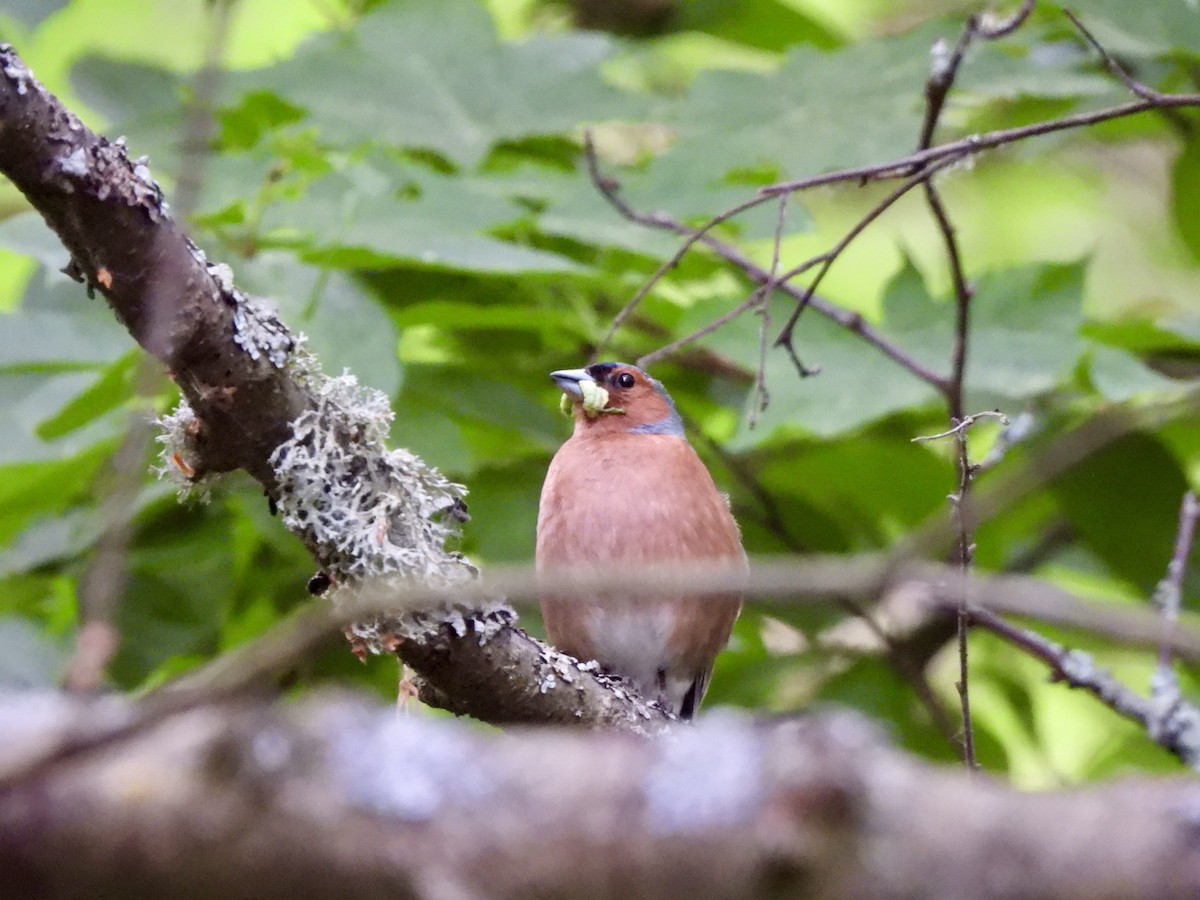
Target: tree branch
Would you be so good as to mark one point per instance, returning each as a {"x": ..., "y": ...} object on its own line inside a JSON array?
[
  {"x": 348, "y": 798},
  {"x": 247, "y": 388}
]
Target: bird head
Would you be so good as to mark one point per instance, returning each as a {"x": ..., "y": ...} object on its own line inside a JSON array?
[{"x": 617, "y": 397}]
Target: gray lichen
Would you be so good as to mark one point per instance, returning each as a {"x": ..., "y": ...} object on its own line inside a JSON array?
[
  {"x": 15, "y": 70},
  {"x": 378, "y": 519},
  {"x": 178, "y": 457}
]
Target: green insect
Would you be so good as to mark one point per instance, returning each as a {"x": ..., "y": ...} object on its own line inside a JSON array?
[{"x": 594, "y": 400}]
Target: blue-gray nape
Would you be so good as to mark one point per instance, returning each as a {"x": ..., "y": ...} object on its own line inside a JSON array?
[{"x": 671, "y": 423}]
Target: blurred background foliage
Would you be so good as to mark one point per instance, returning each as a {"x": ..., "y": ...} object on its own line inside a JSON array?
[{"x": 405, "y": 180}]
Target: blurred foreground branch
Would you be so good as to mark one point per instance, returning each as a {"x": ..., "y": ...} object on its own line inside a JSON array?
[{"x": 335, "y": 798}]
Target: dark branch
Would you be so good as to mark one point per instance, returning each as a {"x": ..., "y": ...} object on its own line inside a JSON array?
[{"x": 123, "y": 241}]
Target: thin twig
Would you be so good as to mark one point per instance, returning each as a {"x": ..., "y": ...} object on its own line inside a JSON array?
[
  {"x": 899, "y": 168},
  {"x": 609, "y": 188},
  {"x": 828, "y": 258},
  {"x": 937, "y": 90},
  {"x": 1174, "y": 720},
  {"x": 992, "y": 28},
  {"x": 759, "y": 398},
  {"x": 1169, "y": 593},
  {"x": 1073, "y": 667},
  {"x": 978, "y": 143},
  {"x": 1135, "y": 86},
  {"x": 720, "y": 322},
  {"x": 853, "y": 322},
  {"x": 772, "y": 518},
  {"x": 963, "y": 424}
]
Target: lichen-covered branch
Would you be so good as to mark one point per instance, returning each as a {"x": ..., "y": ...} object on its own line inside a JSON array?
[
  {"x": 345, "y": 799},
  {"x": 254, "y": 399}
]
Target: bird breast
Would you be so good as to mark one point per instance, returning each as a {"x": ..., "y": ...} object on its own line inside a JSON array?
[{"x": 638, "y": 499}]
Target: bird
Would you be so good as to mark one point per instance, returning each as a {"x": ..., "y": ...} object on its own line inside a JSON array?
[{"x": 628, "y": 488}]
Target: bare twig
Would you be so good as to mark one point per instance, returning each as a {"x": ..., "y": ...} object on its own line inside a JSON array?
[
  {"x": 909, "y": 669},
  {"x": 963, "y": 424},
  {"x": 1167, "y": 717},
  {"x": 853, "y": 322},
  {"x": 1134, "y": 86},
  {"x": 1078, "y": 670},
  {"x": 991, "y": 26},
  {"x": 760, "y": 397},
  {"x": 752, "y": 302},
  {"x": 978, "y": 143},
  {"x": 1174, "y": 720},
  {"x": 937, "y": 89},
  {"x": 827, "y": 259},
  {"x": 1169, "y": 593},
  {"x": 610, "y": 189}
]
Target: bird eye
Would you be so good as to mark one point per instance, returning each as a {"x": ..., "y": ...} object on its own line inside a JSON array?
[{"x": 624, "y": 380}]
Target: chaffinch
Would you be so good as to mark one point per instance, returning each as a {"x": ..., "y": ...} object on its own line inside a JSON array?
[{"x": 627, "y": 487}]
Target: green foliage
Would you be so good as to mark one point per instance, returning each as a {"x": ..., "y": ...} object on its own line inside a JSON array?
[{"x": 410, "y": 189}]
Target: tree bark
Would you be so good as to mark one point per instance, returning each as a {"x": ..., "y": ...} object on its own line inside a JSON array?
[{"x": 333, "y": 798}]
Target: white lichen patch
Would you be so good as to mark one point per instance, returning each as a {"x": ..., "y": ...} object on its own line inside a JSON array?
[
  {"x": 74, "y": 163},
  {"x": 553, "y": 668},
  {"x": 14, "y": 70},
  {"x": 709, "y": 776},
  {"x": 257, "y": 328},
  {"x": 411, "y": 768},
  {"x": 1173, "y": 721},
  {"x": 176, "y": 459},
  {"x": 413, "y": 618},
  {"x": 1078, "y": 668}
]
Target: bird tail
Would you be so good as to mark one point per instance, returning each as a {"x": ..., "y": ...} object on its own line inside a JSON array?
[{"x": 695, "y": 694}]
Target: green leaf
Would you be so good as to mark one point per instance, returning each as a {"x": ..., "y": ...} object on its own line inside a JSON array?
[
  {"x": 27, "y": 233},
  {"x": 1185, "y": 188},
  {"x": 509, "y": 495},
  {"x": 1024, "y": 339},
  {"x": 32, "y": 490},
  {"x": 433, "y": 74},
  {"x": 176, "y": 597},
  {"x": 26, "y": 397},
  {"x": 31, "y": 12},
  {"x": 1119, "y": 376},
  {"x": 1003, "y": 71},
  {"x": 1025, "y": 332},
  {"x": 1146, "y": 336},
  {"x": 143, "y": 103},
  {"x": 58, "y": 327},
  {"x": 765, "y": 24},
  {"x": 50, "y": 539},
  {"x": 110, "y": 390},
  {"x": 867, "y": 490},
  {"x": 1124, "y": 502},
  {"x": 389, "y": 214},
  {"x": 817, "y": 113}
]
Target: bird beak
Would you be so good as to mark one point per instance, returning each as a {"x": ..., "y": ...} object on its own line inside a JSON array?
[{"x": 569, "y": 379}]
